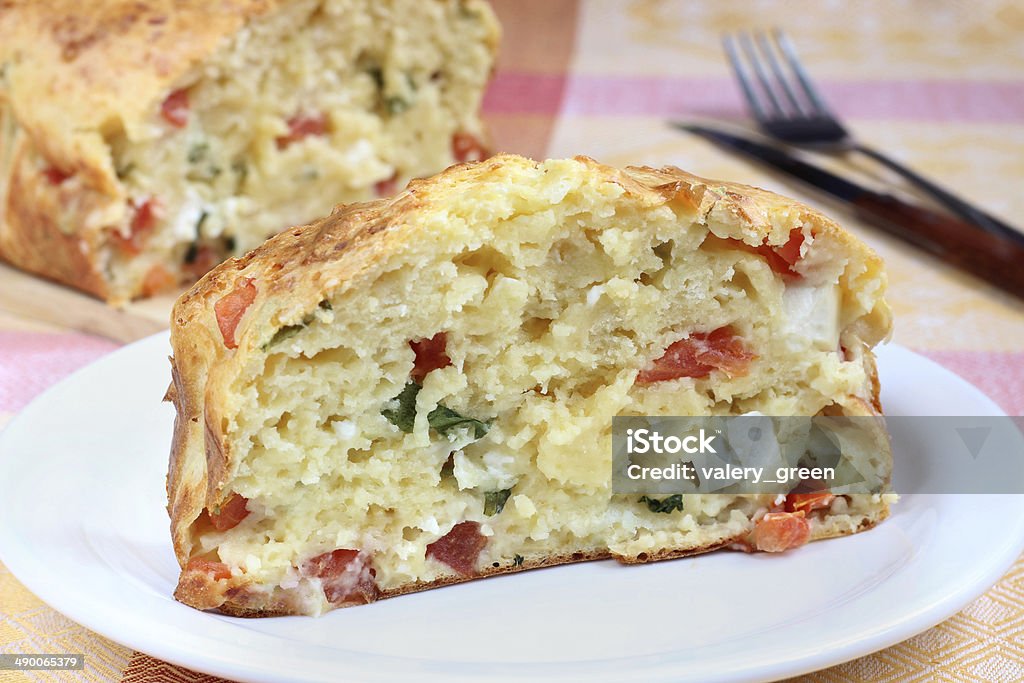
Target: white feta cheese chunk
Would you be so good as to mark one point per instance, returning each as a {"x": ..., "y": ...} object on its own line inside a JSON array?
[
  {"x": 185, "y": 224},
  {"x": 811, "y": 316},
  {"x": 489, "y": 472},
  {"x": 345, "y": 429}
]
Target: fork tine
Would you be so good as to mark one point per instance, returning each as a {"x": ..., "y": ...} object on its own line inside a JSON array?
[
  {"x": 766, "y": 85},
  {"x": 789, "y": 52},
  {"x": 780, "y": 77},
  {"x": 753, "y": 101}
]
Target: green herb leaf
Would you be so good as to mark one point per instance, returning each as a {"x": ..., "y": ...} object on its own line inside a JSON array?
[
  {"x": 396, "y": 104},
  {"x": 404, "y": 416},
  {"x": 377, "y": 74},
  {"x": 241, "y": 169},
  {"x": 494, "y": 501},
  {"x": 286, "y": 332},
  {"x": 197, "y": 152},
  {"x": 289, "y": 331},
  {"x": 444, "y": 419},
  {"x": 517, "y": 560},
  {"x": 123, "y": 171},
  {"x": 665, "y": 505}
]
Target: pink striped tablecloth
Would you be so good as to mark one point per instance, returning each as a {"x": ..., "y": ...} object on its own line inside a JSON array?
[{"x": 939, "y": 84}]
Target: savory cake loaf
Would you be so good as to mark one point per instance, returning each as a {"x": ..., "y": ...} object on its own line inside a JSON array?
[
  {"x": 142, "y": 143},
  {"x": 419, "y": 390}
]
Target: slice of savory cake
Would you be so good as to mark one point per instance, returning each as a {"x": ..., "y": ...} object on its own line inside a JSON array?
[
  {"x": 417, "y": 391},
  {"x": 142, "y": 143}
]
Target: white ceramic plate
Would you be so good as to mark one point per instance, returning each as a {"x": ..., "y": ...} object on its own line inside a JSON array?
[{"x": 82, "y": 525}]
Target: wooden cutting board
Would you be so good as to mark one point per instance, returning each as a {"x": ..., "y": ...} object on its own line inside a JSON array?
[{"x": 30, "y": 302}]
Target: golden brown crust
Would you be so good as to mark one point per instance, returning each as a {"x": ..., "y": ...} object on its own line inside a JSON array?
[
  {"x": 876, "y": 387},
  {"x": 199, "y": 590},
  {"x": 296, "y": 270},
  {"x": 185, "y": 499}
]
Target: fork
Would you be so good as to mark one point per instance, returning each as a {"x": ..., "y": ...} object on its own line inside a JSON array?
[{"x": 789, "y": 108}]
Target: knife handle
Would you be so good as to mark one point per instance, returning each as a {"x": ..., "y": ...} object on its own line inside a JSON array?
[{"x": 995, "y": 258}]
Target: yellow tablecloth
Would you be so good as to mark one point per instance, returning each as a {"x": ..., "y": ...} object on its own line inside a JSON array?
[{"x": 940, "y": 84}]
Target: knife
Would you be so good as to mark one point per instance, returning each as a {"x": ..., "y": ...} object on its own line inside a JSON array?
[{"x": 997, "y": 258}]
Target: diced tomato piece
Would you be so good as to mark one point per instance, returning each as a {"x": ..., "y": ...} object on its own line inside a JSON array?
[
  {"x": 143, "y": 221},
  {"x": 158, "y": 279},
  {"x": 231, "y": 307},
  {"x": 54, "y": 175},
  {"x": 779, "y": 531},
  {"x": 388, "y": 186},
  {"x": 460, "y": 548},
  {"x": 346, "y": 576},
  {"x": 790, "y": 251},
  {"x": 329, "y": 564},
  {"x": 466, "y": 147},
  {"x": 780, "y": 259},
  {"x": 301, "y": 126},
  {"x": 698, "y": 355},
  {"x": 806, "y": 502},
  {"x": 218, "y": 570},
  {"x": 230, "y": 513},
  {"x": 175, "y": 108},
  {"x": 430, "y": 355},
  {"x": 206, "y": 257},
  {"x": 145, "y": 215}
]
